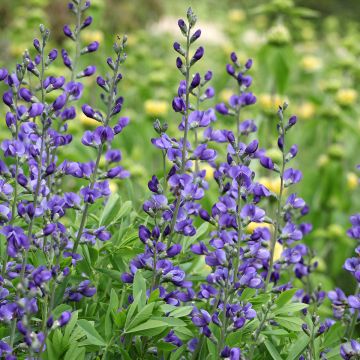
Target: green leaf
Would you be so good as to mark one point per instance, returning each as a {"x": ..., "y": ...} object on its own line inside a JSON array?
[
  {"x": 75, "y": 352},
  {"x": 114, "y": 274},
  {"x": 50, "y": 352},
  {"x": 165, "y": 346},
  {"x": 177, "y": 354},
  {"x": 173, "y": 322},
  {"x": 183, "y": 333},
  {"x": 144, "y": 314},
  {"x": 132, "y": 309},
  {"x": 139, "y": 286},
  {"x": 333, "y": 335},
  {"x": 167, "y": 308},
  {"x": 154, "y": 296},
  {"x": 247, "y": 294},
  {"x": 91, "y": 333},
  {"x": 147, "y": 325},
  {"x": 275, "y": 332},
  {"x": 57, "y": 341},
  {"x": 272, "y": 350},
  {"x": 285, "y": 297},
  {"x": 290, "y": 323},
  {"x": 60, "y": 309},
  {"x": 125, "y": 354},
  {"x": 181, "y": 311},
  {"x": 290, "y": 308},
  {"x": 70, "y": 326},
  {"x": 298, "y": 347},
  {"x": 111, "y": 208}
]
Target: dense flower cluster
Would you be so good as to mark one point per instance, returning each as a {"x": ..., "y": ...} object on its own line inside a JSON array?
[{"x": 34, "y": 198}]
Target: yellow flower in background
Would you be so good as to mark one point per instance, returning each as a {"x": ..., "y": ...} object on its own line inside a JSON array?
[
  {"x": 113, "y": 186},
  {"x": 270, "y": 103},
  {"x": 278, "y": 249},
  {"x": 236, "y": 15},
  {"x": 209, "y": 171},
  {"x": 306, "y": 110},
  {"x": 204, "y": 166},
  {"x": 272, "y": 184},
  {"x": 308, "y": 33},
  {"x": 225, "y": 95},
  {"x": 92, "y": 35},
  {"x": 87, "y": 121},
  {"x": 156, "y": 107},
  {"x": 251, "y": 227},
  {"x": 132, "y": 39},
  {"x": 279, "y": 35},
  {"x": 352, "y": 180},
  {"x": 17, "y": 50},
  {"x": 323, "y": 160},
  {"x": 346, "y": 97},
  {"x": 311, "y": 63}
]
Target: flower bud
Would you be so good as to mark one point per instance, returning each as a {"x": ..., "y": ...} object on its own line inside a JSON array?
[
  {"x": 195, "y": 36},
  {"x": 182, "y": 26},
  {"x": 199, "y": 53},
  {"x": 3, "y": 74}
]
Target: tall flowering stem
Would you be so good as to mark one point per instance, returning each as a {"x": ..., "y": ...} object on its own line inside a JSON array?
[
  {"x": 185, "y": 69},
  {"x": 113, "y": 107},
  {"x": 274, "y": 239}
]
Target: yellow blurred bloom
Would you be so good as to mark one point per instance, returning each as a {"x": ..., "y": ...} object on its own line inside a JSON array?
[
  {"x": 92, "y": 35},
  {"x": 204, "y": 166},
  {"x": 236, "y": 15},
  {"x": 272, "y": 184},
  {"x": 156, "y": 107},
  {"x": 352, "y": 180},
  {"x": 17, "y": 50},
  {"x": 132, "y": 39},
  {"x": 279, "y": 35},
  {"x": 306, "y": 110},
  {"x": 346, "y": 97},
  {"x": 87, "y": 121},
  {"x": 113, "y": 186},
  {"x": 251, "y": 227},
  {"x": 278, "y": 249},
  {"x": 323, "y": 160},
  {"x": 270, "y": 103},
  {"x": 311, "y": 63},
  {"x": 209, "y": 171},
  {"x": 225, "y": 95}
]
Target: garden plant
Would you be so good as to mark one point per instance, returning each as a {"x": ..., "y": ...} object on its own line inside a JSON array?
[{"x": 215, "y": 262}]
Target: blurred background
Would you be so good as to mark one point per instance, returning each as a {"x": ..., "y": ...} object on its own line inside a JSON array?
[{"x": 304, "y": 52}]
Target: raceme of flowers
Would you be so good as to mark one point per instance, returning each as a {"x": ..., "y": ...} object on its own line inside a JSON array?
[{"x": 230, "y": 281}]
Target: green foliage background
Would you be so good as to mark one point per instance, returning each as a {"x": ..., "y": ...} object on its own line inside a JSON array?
[{"x": 310, "y": 61}]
